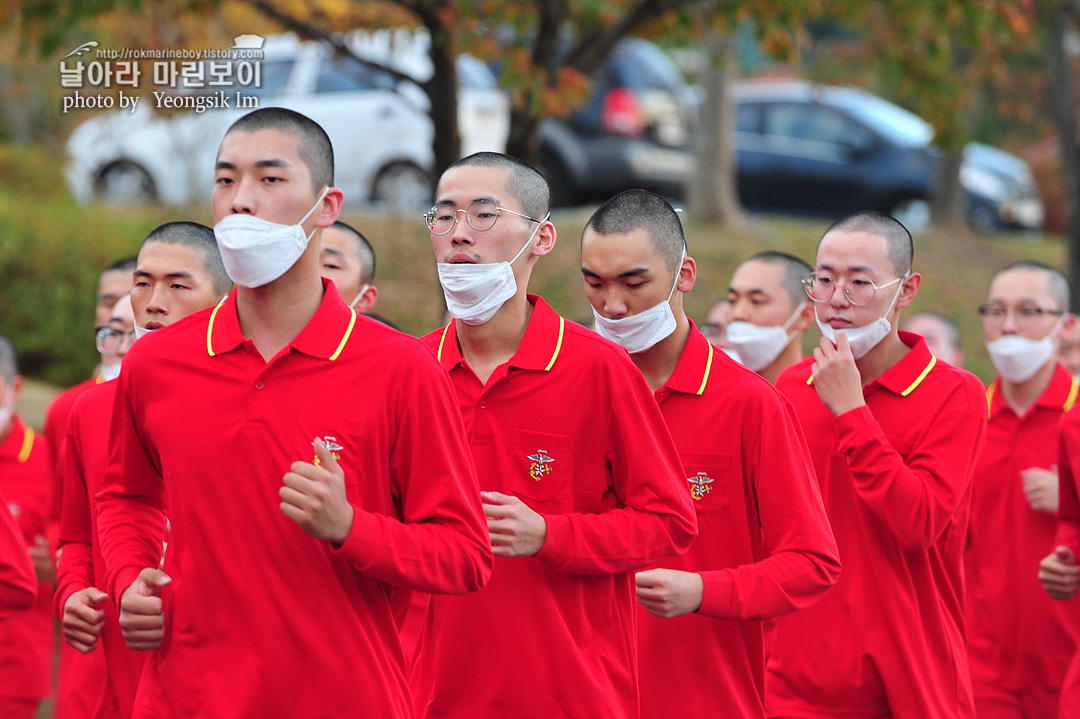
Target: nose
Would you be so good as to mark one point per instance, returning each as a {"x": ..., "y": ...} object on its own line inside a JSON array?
[
  {"x": 740, "y": 311},
  {"x": 461, "y": 234},
  {"x": 157, "y": 304},
  {"x": 839, "y": 297},
  {"x": 1008, "y": 323},
  {"x": 614, "y": 307},
  {"x": 243, "y": 199},
  {"x": 126, "y": 341}
]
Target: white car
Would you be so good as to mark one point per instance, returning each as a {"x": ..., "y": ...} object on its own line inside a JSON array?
[{"x": 380, "y": 127}]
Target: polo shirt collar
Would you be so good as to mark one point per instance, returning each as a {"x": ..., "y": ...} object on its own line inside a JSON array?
[
  {"x": 1060, "y": 394},
  {"x": 19, "y": 442},
  {"x": 907, "y": 374},
  {"x": 323, "y": 337},
  {"x": 539, "y": 348},
  {"x": 691, "y": 374}
]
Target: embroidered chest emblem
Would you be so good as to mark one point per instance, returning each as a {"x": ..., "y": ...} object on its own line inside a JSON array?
[
  {"x": 699, "y": 485},
  {"x": 335, "y": 449},
  {"x": 541, "y": 464}
]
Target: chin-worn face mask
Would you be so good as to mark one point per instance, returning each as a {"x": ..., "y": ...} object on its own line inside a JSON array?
[
  {"x": 758, "y": 346},
  {"x": 255, "y": 251},
  {"x": 642, "y": 331},
  {"x": 111, "y": 372},
  {"x": 474, "y": 293},
  {"x": 865, "y": 338},
  {"x": 1017, "y": 359}
]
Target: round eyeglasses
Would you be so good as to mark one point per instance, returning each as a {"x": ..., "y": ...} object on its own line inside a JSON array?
[
  {"x": 481, "y": 216},
  {"x": 1024, "y": 315},
  {"x": 109, "y": 340},
  {"x": 859, "y": 291}
]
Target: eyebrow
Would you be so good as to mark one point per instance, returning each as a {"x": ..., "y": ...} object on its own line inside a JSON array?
[
  {"x": 629, "y": 273},
  {"x": 335, "y": 253},
  {"x": 182, "y": 274},
  {"x": 446, "y": 202},
  {"x": 854, "y": 268},
  {"x": 751, "y": 291},
  {"x": 272, "y": 162}
]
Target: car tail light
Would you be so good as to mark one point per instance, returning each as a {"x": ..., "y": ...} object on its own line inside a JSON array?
[{"x": 622, "y": 114}]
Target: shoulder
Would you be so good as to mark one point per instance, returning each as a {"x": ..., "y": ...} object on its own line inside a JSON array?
[{"x": 796, "y": 376}]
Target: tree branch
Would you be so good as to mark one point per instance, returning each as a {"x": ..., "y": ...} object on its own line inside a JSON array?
[{"x": 308, "y": 30}]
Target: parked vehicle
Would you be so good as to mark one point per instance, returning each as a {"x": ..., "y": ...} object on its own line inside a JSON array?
[
  {"x": 379, "y": 127},
  {"x": 637, "y": 129},
  {"x": 834, "y": 150}
]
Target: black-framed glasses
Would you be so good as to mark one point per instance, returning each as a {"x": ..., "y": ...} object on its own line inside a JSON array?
[
  {"x": 1026, "y": 315},
  {"x": 859, "y": 291},
  {"x": 481, "y": 216},
  {"x": 109, "y": 340}
]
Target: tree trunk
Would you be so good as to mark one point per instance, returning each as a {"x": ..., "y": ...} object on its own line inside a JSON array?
[
  {"x": 524, "y": 140},
  {"x": 948, "y": 206},
  {"x": 1063, "y": 108},
  {"x": 442, "y": 92},
  {"x": 713, "y": 193}
]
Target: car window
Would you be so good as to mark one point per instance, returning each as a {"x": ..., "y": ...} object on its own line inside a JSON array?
[
  {"x": 641, "y": 65},
  {"x": 346, "y": 74},
  {"x": 815, "y": 123},
  {"x": 274, "y": 74},
  {"x": 748, "y": 118}
]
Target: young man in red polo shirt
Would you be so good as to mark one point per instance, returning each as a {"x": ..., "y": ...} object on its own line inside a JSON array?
[
  {"x": 289, "y": 560},
  {"x": 769, "y": 312},
  {"x": 1019, "y": 640},
  {"x": 26, "y": 638},
  {"x": 179, "y": 272},
  {"x": 764, "y": 545},
  {"x": 894, "y": 435},
  {"x": 581, "y": 479},
  {"x": 348, "y": 259}
]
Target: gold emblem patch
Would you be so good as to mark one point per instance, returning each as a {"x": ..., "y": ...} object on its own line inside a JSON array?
[
  {"x": 699, "y": 485},
  {"x": 331, "y": 444},
  {"x": 541, "y": 465}
]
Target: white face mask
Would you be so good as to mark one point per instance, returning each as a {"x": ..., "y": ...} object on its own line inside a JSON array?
[
  {"x": 360, "y": 294},
  {"x": 141, "y": 331},
  {"x": 7, "y": 409},
  {"x": 255, "y": 251},
  {"x": 642, "y": 331},
  {"x": 865, "y": 338},
  {"x": 474, "y": 293},
  {"x": 758, "y": 346},
  {"x": 111, "y": 372},
  {"x": 1017, "y": 359}
]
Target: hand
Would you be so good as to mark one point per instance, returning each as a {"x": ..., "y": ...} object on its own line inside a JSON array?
[
  {"x": 142, "y": 613},
  {"x": 84, "y": 619},
  {"x": 516, "y": 530},
  {"x": 314, "y": 497},
  {"x": 668, "y": 593},
  {"x": 42, "y": 558},
  {"x": 1041, "y": 488},
  {"x": 1059, "y": 574},
  {"x": 836, "y": 378}
]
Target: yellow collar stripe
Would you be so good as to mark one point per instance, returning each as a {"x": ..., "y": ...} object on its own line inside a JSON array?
[
  {"x": 1072, "y": 395},
  {"x": 210, "y": 328},
  {"x": 348, "y": 333},
  {"x": 27, "y": 444},
  {"x": 920, "y": 378},
  {"x": 810, "y": 380},
  {"x": 442, "y": 340},
  {"x": 989, "y": 398},
  {"x": 558, "y": 345},
  {"x": 708, "y": 368}
]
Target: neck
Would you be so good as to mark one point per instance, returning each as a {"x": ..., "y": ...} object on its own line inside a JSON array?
[
  {"x": 273, "y": 315},
  {"x": 882, "y": 357},
  {"x": 658, "y": 363},
  {"x": 1022, "y": 395},
  {"x": 485, "y": 347},
  {"x": 789, "y": 356}
]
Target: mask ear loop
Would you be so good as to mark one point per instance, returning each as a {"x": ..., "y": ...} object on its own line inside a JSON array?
[
  {"x": 791, "y": 320},
  {"x": 531, "y": 236},
  {"x": 313, "y": 208}
]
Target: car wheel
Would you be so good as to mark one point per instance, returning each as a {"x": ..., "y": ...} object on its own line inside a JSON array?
[
  {"x": 403, "y": 187},
  {"x": 914, "y": 214},
  {"x": 125, "y": 183},
  {"x": 983, "y": 219},
  {"x": 562, "y": 188}
]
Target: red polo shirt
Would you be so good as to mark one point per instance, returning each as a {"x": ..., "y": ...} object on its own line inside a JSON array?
[
  {"x": 86, "y": 458},
  {"x": 569, "y": 426},
  {"x": 1017, "y": 635},
  {"x": 896, "y": 479},
  {"x": 18, "y": 582},
  {"x": 764, "y": 546},
  {"x": 26, "y": 638},
  {"x": 261, "y": 618},
  {"x": 1068, "y": 534}
]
